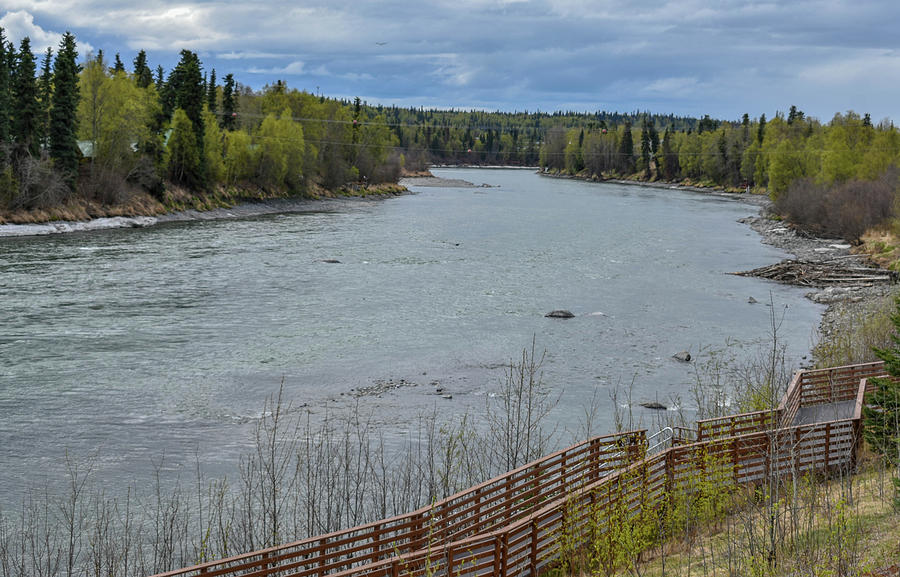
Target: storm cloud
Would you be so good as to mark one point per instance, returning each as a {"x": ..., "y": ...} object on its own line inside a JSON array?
[{"x": 692, "y": 57}]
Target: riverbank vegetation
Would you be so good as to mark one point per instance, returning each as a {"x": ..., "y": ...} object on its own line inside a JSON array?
[{"x": 92, "y": 139}]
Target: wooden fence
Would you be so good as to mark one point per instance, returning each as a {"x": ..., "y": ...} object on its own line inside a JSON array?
[
  {"x": 520, "y": 522},
  {"x": 480, "y": 509}
]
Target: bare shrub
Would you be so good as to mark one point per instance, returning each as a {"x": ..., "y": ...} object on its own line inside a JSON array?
[
  {"x": 846, "y": 210},
  {"x": 40, "y": 186}
]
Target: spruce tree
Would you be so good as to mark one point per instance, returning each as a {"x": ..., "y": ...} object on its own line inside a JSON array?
[
  {"x": 118, "y": 66},
  {"x": 211, "y": 92},
  {"x": 761, "y": 131},
  {"x": 626, "y": 151},
  {"x": 143, "y": 76},
  {"x": 229, "y": 108},
  {"x": 45, "y": 92},
  {"x": 25, "y": 109},
  {"x": 63, "y": 133},
  {"x": 4, "y": 94}
]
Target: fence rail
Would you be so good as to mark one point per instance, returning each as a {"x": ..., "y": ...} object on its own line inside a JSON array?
[
  {"x": 480, "y": 509},
  {"x": 511, "y": 525}
]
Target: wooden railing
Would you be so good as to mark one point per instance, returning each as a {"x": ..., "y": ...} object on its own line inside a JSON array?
[
  {"x": 511, "y": 525},
  {"x": 819, "y": 386},
  {"x": 530, "y": 544},
  {"x": 477, "y": 510}
]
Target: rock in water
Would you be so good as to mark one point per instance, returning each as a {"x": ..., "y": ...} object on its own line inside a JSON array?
[
  {"x": 332, "y": 261},
  {"x": 560, "y": 314},
  {"x": 752, "y": 301},
  {"x": 683, "y": 356},
  {"x": 654, "y": 406}
]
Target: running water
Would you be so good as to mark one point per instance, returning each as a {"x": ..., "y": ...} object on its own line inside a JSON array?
[{"x": 159, "y": 345}]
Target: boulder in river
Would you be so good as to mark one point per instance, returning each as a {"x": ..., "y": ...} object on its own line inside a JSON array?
[
  {"x": 559, "y": 314},
  {"x": 655, "y": 406},
  {"x": 332, "y": 261},
  {"x": 683, "y": 356}
]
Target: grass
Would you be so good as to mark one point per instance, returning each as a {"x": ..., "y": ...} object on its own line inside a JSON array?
[{"x": 841, "y": 526}]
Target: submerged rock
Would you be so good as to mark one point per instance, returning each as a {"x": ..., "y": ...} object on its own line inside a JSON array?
[
  {"x": 683, "y": 356},
  {"x": 559, "y": 314},
  {"x": 655, "y": 406},
  {"x": 332, "y": 261}
]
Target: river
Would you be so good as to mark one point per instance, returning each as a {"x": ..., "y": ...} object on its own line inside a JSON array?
[{"x": 156, "y": 347}]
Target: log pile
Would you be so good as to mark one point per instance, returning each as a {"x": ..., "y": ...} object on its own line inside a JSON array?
[{"x": 822, "y": 274}]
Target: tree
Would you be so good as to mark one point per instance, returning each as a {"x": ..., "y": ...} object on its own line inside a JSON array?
[
  {"x": 4, "y": 94},
  {"x": 229, "y": 108},
  {"x": 118, "y": 65},
  {"x": 45, "y": 92},
  {"x": 63, "y": 129},
  {"x": 211, "y": 92},
  {"x": 882, "y": 407},
  {"x": 626, "y": 151},
  {"x": 143, "y": 76},
  {"x": 25, "y": 109},
  {"x": 183, "y": 156}
]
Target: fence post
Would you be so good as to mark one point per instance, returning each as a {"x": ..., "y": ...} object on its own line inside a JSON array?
[
  {"x": 505, "y": 554},
  {"x": 533, "y": 556},
  {"x": 827, "y": 445}
]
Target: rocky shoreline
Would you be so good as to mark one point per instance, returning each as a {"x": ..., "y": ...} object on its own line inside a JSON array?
[{"x": 843, "y": 303}]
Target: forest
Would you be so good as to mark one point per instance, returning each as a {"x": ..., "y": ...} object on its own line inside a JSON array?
[{"x": 101, "y": 134}]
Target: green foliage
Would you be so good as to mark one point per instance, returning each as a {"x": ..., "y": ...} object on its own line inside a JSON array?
[
  {"x": 25, "y": 109},
  {"x": 213, "y": 148},
  {"x": 238, "y": 161},
  {"x": 183, "y": 156},
  {"x": 279, "y": 152},
  {"x": 5, "y": 82},
  {"x": 882, "y": 409},
  {"x": 64, "y": 120},
  {"x": 143, "y": 76}
]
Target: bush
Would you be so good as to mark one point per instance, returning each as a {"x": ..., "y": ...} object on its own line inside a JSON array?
[{"x": 846, "y": 210}]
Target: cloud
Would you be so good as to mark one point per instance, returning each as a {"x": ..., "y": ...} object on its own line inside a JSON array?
[
  {"x": 19, "y": 24},
  {"x": 296, "y": 67},
  {"x": 722, "y": 57}
]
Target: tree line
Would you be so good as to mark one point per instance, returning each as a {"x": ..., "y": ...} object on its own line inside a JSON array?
[{"x": 99, "y": 131}]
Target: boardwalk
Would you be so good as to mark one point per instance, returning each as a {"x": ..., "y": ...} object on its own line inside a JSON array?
[{"x": 509, "y": 524}]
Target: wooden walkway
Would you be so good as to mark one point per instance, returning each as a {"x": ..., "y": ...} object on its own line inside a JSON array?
[{"x": 509, "y": 525}]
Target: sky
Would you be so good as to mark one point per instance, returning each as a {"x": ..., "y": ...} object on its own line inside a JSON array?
[{"x": 686, "y": 57}]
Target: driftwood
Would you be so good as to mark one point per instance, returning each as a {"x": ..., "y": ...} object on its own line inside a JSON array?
[{"x": 820, "y": 274}]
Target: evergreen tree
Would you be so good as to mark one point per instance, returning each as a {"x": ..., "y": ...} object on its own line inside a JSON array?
[
  {"x": 229, "y": 108},
  {"x": 626, "y": 151},
  {"x": 761, "y": 131},
  {"x": 143, "y": 76},
  {"x": 63, "y": 132},
  {"x": 118, "y": 66},
  {"x": 881, "y": 410},
  {"x": 184, "y": 89},
  {"x": 645, "y": 147},
  {"x": 160, "y": 83},
  {"x": 211, "y": 92},
  {"x": 45, "y": 92},
  {"x": 25, "y": 109},
  {"x": 4, "y": 94}
]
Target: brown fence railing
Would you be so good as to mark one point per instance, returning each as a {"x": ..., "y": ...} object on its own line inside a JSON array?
[
  {"x": 820, "y": 386},
  {"x": 530, "y": 544},
  {"x": 480, "y": 509},
  {"x": 512, "y": 525}
]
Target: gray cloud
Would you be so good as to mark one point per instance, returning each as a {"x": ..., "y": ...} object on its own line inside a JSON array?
[{"x": 695, "y": 57}]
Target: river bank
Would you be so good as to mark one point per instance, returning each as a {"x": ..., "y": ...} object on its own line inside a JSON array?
[{"x": 242, "y": 209}]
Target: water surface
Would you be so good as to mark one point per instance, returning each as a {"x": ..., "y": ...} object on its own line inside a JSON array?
[{"x": 136, "y": 344}]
